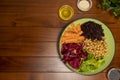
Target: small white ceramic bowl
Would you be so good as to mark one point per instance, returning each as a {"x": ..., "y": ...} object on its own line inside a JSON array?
[{"x": 83, "y": 8}]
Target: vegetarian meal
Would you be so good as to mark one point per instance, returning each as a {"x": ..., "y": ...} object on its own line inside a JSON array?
[{"x": 83, "y": 46}]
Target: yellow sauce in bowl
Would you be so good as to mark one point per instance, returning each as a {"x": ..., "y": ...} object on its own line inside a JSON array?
[{"x": 66, "y": 12}]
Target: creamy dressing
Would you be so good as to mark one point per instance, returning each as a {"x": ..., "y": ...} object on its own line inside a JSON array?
[{"x": 84, "y": 5}]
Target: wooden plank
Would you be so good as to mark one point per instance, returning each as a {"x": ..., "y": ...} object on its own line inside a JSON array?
[
  {"x": 27, "y": 34},
  {"x": 34, "y": 49},
  {"x": 37, "y": 34},
  {"x": 32, "y": 64},
  {"x": 50, "y": 76},
  {"x": 33, "y": 20},
  {"x": 39, "y": 64},
  {"x": 31, "y": 6},
  {"x": 46, "y": 20},
  {"x": 28, "y": 49}
]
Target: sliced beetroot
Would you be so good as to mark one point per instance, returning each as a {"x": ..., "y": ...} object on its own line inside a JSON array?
[
  {"x": 75, "y": 63},
  {"x": 73, "y": 54}
]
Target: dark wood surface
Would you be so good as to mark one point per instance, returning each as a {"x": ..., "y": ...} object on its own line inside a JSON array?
[{"x": 29, "y": 31}]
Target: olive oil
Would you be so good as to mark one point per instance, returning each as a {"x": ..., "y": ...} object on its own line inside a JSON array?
[{"x": 66, "y": 12}]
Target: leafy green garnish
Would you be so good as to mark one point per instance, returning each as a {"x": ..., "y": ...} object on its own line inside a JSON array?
[
  {"x": 110, "y": 5},
  {"x": 91, "y": 63}
]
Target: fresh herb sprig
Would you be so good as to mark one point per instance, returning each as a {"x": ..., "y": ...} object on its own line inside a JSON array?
[{"x": 110, "y": 5}]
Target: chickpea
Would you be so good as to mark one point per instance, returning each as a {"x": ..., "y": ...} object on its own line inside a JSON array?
[{"x": 96, "y": 47}]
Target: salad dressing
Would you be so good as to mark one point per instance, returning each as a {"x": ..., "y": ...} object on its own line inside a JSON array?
[
  {"x": 66, "y": 12},
  {"x": 84, "y": 5}
]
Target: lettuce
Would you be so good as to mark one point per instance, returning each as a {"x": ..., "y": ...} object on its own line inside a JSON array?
[{"x": 90, "y": 64}]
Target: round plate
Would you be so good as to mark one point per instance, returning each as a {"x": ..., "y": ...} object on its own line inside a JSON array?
[{"x": 109, "y": 40}]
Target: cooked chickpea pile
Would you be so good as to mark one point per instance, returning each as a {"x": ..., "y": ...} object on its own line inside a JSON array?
[{"x": 96, "y": 47}]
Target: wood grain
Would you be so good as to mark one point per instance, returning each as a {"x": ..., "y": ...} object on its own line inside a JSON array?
[
  {"x": 29, "y": 33},
  {"x": 41, "y": 20},
  {"x": 39, "y": 64},
  {"x": 50, "y": 76},
  {"x": 28, "y": 49},
  {"x": 39, "y": 6},
  {"x": 34, "y": 49},
  {"x": 36, "y": 34}
]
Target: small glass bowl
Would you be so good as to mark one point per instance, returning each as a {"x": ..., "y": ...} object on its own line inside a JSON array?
[
  {"x": 90, "y": 5},
  {"x": 113, "y": 74},
  {"x": 66, "y": 12}
]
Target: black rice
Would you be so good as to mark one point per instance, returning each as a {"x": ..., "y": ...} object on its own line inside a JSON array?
[{"x": 92, "y": 30}]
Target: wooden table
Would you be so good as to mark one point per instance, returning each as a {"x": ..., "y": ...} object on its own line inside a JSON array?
[{"x": 29, "y": 31}]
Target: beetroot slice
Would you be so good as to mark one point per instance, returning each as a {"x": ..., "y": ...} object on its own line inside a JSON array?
[
  {"x": 75, "y": 63},
  {"x": 73, "y": 54}
]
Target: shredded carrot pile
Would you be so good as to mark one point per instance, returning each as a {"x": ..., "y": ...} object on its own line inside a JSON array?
[{"x": 72, "y": 34}]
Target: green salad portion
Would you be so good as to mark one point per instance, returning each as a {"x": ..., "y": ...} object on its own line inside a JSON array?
[{"x": 91, "y": 63}]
